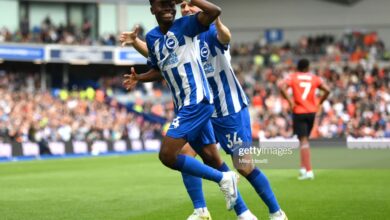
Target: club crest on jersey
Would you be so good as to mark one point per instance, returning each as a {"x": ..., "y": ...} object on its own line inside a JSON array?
[
  {"x": 171, "y": 43},
  {"x": 205, "y": 52}
]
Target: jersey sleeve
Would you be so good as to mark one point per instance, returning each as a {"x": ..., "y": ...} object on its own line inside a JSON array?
[
  {"x": 191, "y": 26},
  {"x": 152, "y": 59},
  {"x": 213, "y": 37}
]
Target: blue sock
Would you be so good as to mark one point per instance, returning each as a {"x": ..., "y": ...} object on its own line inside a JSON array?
[
  {"x": 194, "y": 189},
  {"x": 192, "y": 166},
  {"x": 240, "y": 206},
  {"x": 260, "y": 182}
]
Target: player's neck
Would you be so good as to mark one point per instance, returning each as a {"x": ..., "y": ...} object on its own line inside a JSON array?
[{"x": 164, "y": 27}]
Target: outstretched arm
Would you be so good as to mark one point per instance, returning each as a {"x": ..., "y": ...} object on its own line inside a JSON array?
[
  {"x": 223, "y": 33},
  {"x": 209, "y": 12},
  {"x": 130, "y": 38},
  {"x": 133, "y": 78}
]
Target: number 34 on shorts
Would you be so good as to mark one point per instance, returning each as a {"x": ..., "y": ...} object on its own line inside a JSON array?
[{"x": 233, "y": 140}]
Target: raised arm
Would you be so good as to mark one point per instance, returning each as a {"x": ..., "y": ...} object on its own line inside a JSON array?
[
  {"x": 130, "y": 38},
  {"x": 133, "y": 78},
  {"x": 209, "y": 12},
  {"x": 224, "y": 36}
]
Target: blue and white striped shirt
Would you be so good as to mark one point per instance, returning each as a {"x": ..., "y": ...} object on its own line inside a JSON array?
[
  {"x": 176, "y": 55},
  {"x": 229, "y": 97}
]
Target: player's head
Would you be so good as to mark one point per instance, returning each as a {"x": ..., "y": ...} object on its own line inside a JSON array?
[
  {"x": 164, "y": 10},
  {"x": 303, "y": 65},
  {"x": 188, "y": 9}
]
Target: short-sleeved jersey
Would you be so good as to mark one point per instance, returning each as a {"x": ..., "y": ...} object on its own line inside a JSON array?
[
  {"x": 304, "y": 87},
  {"x": 176, "y": 55},
  {"x": 229, "y": 97}
]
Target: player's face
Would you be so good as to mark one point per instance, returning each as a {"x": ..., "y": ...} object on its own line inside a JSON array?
[
  {"x": 188, "y": 9},
  {"x": 164, "y": 10}
]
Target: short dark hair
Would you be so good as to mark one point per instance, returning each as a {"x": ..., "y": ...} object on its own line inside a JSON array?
[
  {"x": 303, "y": 65},
  {"x": 151, "y": 2}
]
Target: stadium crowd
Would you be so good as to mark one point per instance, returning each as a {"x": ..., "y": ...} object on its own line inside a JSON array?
[
  {"x": 359, "y": 104},
  {"x": 28, "y": 114},
  {"x": 360, "y": 101},
  {"x": 49, "y": 33}
]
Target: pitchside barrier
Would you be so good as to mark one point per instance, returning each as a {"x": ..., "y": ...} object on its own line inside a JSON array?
[
  {"x": 31, "y": 149},
  {"x": 368, "y": 143},
  {"x": 349, "y": 142},
  {"x": 70, "y": 54}
]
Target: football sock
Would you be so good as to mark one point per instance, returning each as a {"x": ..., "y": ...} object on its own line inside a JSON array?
[
  {"x": 193, "y": 185},
  {"x": 305, "y": 156},
  {"x": 192, "y": 166},
  {"x": 240, "y": 206},
  {"x": 260, "y": 182}
]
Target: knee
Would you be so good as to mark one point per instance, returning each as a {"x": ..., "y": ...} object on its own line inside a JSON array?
[
  {"x": 214, "y": 161},
  {"x": 245, "y": 170},
  {"x": 167, "y": 159},
  {"x": 216, "y": 164},
  {"x": 187, "y": 150}
]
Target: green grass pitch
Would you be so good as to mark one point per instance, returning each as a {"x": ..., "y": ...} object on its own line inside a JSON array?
[{"x": 139, "y": 187}]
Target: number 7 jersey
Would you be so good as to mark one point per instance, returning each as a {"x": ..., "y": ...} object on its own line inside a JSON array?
[{"x": 304, "y": 86}]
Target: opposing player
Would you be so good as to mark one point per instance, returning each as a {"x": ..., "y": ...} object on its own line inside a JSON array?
[
  {"x": 230, "y": 120},
  {"x": 304, "y": 106},
  {"x": 174, "y": 57}
]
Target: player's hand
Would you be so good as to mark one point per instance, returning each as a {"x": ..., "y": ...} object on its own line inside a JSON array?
[
  {"x": 130, "y": 80},
  {"x": 129, "y": 37}
]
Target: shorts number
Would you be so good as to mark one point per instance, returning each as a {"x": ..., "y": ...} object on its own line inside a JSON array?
[
  {"x": 236, "y": 141},
  {"x": 307, "y": 87}
]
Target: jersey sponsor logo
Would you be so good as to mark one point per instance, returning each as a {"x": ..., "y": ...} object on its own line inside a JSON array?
[
  {"x": 208, "y": 69},
  {"x": 172, "y": 60}
]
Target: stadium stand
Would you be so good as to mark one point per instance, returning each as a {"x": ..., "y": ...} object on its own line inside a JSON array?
[
  {"x": 359, "y": 105},
  {"x": 356, "y": 66}
]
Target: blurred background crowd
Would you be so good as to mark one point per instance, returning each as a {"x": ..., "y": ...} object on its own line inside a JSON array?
[
  {"x": 49, "y": 33},
  {"x": 28, "y": 114},
  {"x": 354, "y": 66}
]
